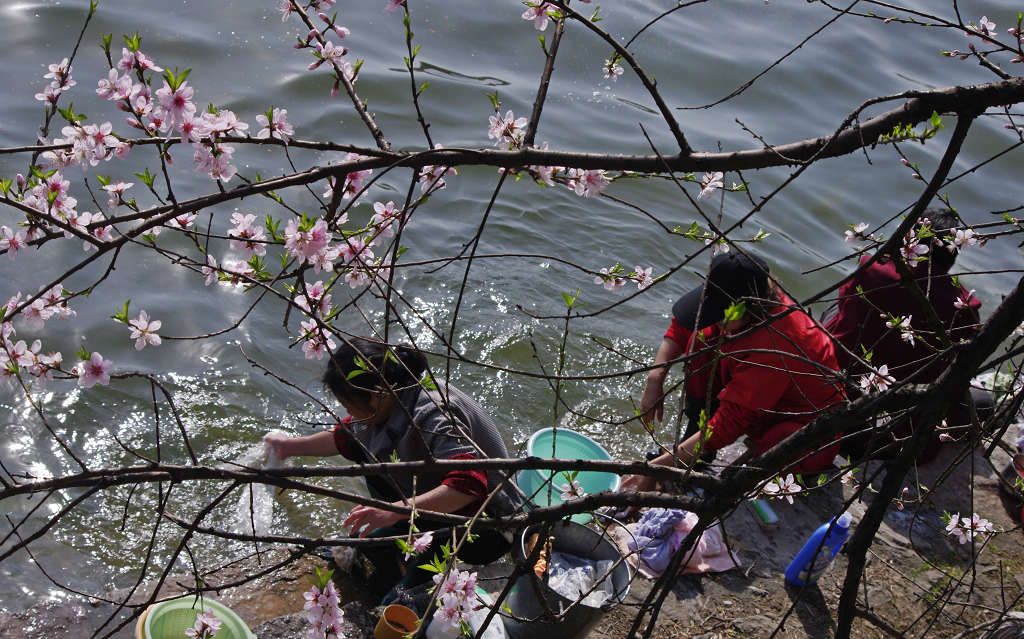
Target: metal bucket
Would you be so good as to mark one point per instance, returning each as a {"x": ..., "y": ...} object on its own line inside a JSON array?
[{"x": 523, "y": 599}]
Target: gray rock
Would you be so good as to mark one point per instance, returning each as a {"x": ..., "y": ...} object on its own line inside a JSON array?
[{"x": 755, "y": 625}]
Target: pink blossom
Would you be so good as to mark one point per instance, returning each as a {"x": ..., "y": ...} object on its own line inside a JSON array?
[
  {"x": 306, "y": 244},
  {"x": 356, "y": 277},
  {"x": 317, "y": 342},
  {"x": 587, "y": 183},
  {"x": 422, "y": 542},
  {"x": 210, "y": 270},
  {"x": 384, "y": 215},
  {"x": 710, "y": 182},
  {"x": 643, "y": 277},
  {"x": 49, "y": 94},
  {"x": 912, "y": 249},
  {"x": 609, "y": 278},
  {"x": 612, "y": 70},
  {"x": 249, "y": 236},
  {"x": 431, "y": 177},
  {"x": 276, "y": 127},
  {"x": 144, "y": 331},
  {"x": 182, "y": 221},
  {"x": 783, "y": 487},
  {"x": 855, "y": 232},
  {"x": 508, "y": 130},
  {"x": 877, "y": 380},
  {"x": 963, "y": 302},
  {"x": 391, "y": 5},
  {"x": 116, "y": 191},
  {"x": 95, "y": 370},
  {"x": 986, "y": 27},
  {"x": 538, "y": 14},
  {"x": 964, "y": 238},
  {"x": 12, "y": 241},
  {"x": 176, "y": 104},
  {"x": 571, "y": 491}
]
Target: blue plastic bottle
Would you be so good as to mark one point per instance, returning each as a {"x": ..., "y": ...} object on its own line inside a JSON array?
[{"x": 800, "y": 571}]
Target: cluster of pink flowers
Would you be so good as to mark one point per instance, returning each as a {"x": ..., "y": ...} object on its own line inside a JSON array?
[
  {"x": 587, "y": 183},
  {"x": 903, "y": 324},
  {"x": 614, "y": 278},
  {"x": 323, "y": 613},
  {"x": 60, "y": 81},
  {"x": 312, "y": 246},
  {"x": 876, "y": 380},
  {"x": 248, "y": 234},
  {"x": 19, "y": 356},
  {"x": 353, "y": 184},
  {"x": 431, "y": 177},
  {"x": 507, "y": 131},
  {"x": 90, "y": 144},
  {"x": 965, "y": 529},
  {"x": 205, "y": 627},
  {"x": 457, "y": 593},
  {"x": 856, "y": 232}
]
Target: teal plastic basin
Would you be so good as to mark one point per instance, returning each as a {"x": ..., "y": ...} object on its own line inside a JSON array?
[{"x": 568, "y": 445}]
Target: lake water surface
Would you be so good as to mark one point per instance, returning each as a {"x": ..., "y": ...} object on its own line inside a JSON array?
[{"x": 242, "y": 58}]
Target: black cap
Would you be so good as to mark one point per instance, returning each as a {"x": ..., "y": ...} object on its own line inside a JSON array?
[{"x": 732, "y": 276}]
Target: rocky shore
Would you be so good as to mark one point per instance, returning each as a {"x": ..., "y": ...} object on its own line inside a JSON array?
[{"x": 912, "y": 562}]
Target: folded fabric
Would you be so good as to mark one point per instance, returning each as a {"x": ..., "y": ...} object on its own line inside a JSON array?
[{"x": 660, "y": 533}]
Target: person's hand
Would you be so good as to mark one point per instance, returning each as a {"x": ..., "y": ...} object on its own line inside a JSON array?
[
  {"x": 652, "y": 404},
  {"x": 638, "y": 483},
  {"x": 278, "y": 445},
  {"x": 365, "y": 519}
]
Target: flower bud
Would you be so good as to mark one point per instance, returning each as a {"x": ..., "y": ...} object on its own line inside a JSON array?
[
  {"x": 313, "y": 33},
  {"x": 341, "y": 31},
  {"x": 335, "y": 89},
  {"x": 19, "y": 179},
  {"x": 323, "y": 16},
  {"x": 904, "y": 162}
]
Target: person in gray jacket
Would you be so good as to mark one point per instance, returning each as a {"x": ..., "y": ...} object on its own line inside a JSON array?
[{"x": 394, "y": 414}]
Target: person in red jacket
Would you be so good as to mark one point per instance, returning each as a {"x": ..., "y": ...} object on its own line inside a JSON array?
[
  {"x": 770, "y": 368},
  {"x": 877, "y": 314}
]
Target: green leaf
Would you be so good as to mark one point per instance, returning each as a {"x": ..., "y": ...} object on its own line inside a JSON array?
[
  {"x": 147, "y": 177},
  {"x": 5, "y": 185},
  {"x": 495, "y": 102},
  {"x": 82, "y": 353},
  {"x": 735, "y": 311},
  {"x": 822, "y": 478},
  {"x": 428, "y": 382},
  {"x": 102, "y": 179},
  {"x": 423, "y": 87},
  {"x": 133, "y": 42}
]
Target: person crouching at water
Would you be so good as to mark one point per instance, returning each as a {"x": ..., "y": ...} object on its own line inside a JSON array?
[
  {"x": 394, "y": 415},
  {"x": 768, "y": 366}
]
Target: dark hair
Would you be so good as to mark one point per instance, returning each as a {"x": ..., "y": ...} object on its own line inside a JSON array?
[
  {"x": 943, "y": 222},
  {"x": 361, "y": 367}
]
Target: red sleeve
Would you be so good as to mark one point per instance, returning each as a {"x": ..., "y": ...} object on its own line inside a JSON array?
[
  {"x": 343, "y": 439},
  {"x": 678, "y": 333},
  {"x": 729, "y": 422},
  {"x": 470, "y": 482}
]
